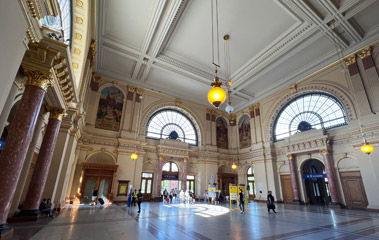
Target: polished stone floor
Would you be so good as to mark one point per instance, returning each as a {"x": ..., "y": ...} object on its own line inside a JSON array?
[{"x": 201, "y": 221}]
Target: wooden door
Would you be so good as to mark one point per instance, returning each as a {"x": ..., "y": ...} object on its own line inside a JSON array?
[
  {"x": 286, "y": 188},
  {"x": 354, "y": 190}
]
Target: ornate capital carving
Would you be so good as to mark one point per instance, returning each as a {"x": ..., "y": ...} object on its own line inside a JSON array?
[
  {"x": 324, "y": 152},
  {"x": 350, "y": 60},
  {"x": 365, "y": 53},
  {"x": 131, "y": 89},
  {"x": 208, "y": 110},
  {"x": 185, "y": 159},
  {"x": 290, "y": 156},
  {"x": 178, "y": 102},
  {"x": 251, "y": 108},
  {"x": 38, "y": 78},
  {"x": 139, "y": 91},
  {"x": 293, "y": 89},
  {"x": 161, "y": 157},
  {"x": 256, "y": 106},
  {"x": 56, "y": 113}
]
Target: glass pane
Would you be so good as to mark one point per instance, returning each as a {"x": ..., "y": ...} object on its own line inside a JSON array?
[
  {"x": 147, "y": 175},
  {"x": 103, "y": 189},
  {"x": 166, "y": 167},
  {"x": 165, "y": 122},
  {"x": 309, "y": 111},
  {"x": 188, "y": 185},
  {"x": 148, "y": 190},
  {"x": 192, "y": 186},
  {"x": 174, "y": 167},
  {"x": 251, "y": 178},
  {"x": 250, "y": 171},
  {"x": 251, "y": 190},
  {"x": 143, "y": 185},
  {"x": 190, "y": 177}
]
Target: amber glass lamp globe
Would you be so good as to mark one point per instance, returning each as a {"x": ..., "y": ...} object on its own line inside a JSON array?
[
  {"x": 134, "y": 156},
  {"x": 234, "y": 166},
  {"x": 367, "y": 148},
  {"x": 216, "y": 96}
]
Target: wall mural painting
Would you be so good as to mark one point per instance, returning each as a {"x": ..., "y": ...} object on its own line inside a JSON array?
[
  {"x": 244, "y": 131},
  {"x": 222, "y": 133},
  {"x": 109, "y": 111}
]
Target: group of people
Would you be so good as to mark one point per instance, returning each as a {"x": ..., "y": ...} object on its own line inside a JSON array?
[
  {"x": 218, "y": 197},
  {"x": 45, "y": 207},
  {"x": 187, "y": 196},
  {"x": 137, "y": 197}
]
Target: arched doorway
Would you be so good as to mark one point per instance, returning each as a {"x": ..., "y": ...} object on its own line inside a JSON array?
[
  {"x": 226, "y": 175},
  {"x": 170, "y": 177},
  {"x": 251, "y": 183},
  {"x": 315, "y": 182},
  {"x": 98, "y": 172}
]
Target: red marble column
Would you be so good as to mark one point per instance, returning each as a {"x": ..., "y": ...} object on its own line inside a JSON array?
[
  {"x": 159, "y": 184},
  {"x": 21, "y": 131},
  {"x": 330, "y": 175},
  {"x": 38, "y": 181},
  {"x": 184, "y": 178},
  {"x": 294, "y": 183}
]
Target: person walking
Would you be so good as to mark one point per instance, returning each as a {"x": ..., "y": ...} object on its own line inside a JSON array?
[
  {"x": 270, "y": 202},
  {"x": 205, "y": 196},
  {"x": 94, "y": 196},
  {"x": 139, "y": 200},
  {"x": 242, "y": 201},
  {"x": 134, "y": 198}
]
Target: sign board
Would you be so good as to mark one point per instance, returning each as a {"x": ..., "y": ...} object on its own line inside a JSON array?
[
  {"x": 211, "y": 190},
  {"x": 233, "y": 192},
  {"x": 305, "y": 176},
  {"x": 166, "y": 176}
]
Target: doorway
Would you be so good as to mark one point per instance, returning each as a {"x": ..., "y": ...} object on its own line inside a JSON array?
[
  {"x": 315, "y": 182},
  {"x": 99, "y": 176},
  {"x": 354, "y": 190}
]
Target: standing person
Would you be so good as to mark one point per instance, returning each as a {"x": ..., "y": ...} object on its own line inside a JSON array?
[
  {"x": 139, "y": 200},
  {"x": 94, "y": 196},
  {"x": 242, "y": 201},
  {"x": 134, "y": 198},
  {"x": 171, "y": 195},
  {"x": 165, "y": 195},
  {"x": 205, "y": 196},
  {"x": 270, "y": 202}
]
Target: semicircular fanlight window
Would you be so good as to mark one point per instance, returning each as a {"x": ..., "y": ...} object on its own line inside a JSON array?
[
  {"x": 171, "y": 124},
  {"x": 309, "y": 111}
]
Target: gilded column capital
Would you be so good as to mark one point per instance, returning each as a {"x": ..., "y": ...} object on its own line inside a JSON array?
[
  {"x": 37, "y": 78},
  {"x": 56, "y": 113},
  {"x": 161, "y": 157},
  {"x": 350, "y": 60},
  {"x": 131, "y": 89},
  {"x": 208, "y": 111},
  {"x": 293, "y": 89},
  {"x": 324, "y": 152},
  {"x": 256, "y": 106},
  {"x": 365, "y": 53},
  {"x": 185, "y": 159},
  {"x": 139, "y": 91},
  {"x": 290, "y": 156},
  {"x": 251, "y": 108}
]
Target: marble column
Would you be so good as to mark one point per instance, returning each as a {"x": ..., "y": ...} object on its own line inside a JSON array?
[
  {"x": 294, "y": 183},
  {"x": 329, "y": 169},
  {"x": 184, "y": 176},
  {"x": 159, "y": 181},
  {"x": 38, "y": 181},
  {"x": 13, "y": 155}
]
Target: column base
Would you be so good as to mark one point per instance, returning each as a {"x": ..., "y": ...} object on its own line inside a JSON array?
[
  {"x": 25, "y": 216},
  {"x": 6, "y": 231},
  {"x": 296, "y": 202},
  {"x": 335, "y": 205}
]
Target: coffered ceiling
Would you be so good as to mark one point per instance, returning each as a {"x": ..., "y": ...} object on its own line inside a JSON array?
[{"x": 165, "y": 45}]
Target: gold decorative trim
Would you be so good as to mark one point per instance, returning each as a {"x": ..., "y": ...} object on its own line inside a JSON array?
[
  {"x": 251, "y": 108},
  {"x": 31, "y": 8},
  {"x": 56, "y": 113},
  {"x": 365, "y": 52},
  {"x": 185, "y": 159},
  {"x": 77, "y": 51},
  {"x": 78, "y": 36},
  {"x": 324, "y": 152},
  {"x": 131, "y": 89},
  {"x": 139, "y": 91},
  {"x": 350, "y": 60},
  {"x": 290, "y": 156},
  {"x": 161, "y": 157},
  {"x": 75, "y": 65},
  {"x": 38, "y": 78},
  {"x": 256, "y": 106},
  {"x": 293, "y": 89},
  {"x": 178, "y": 103},
  {"x": 79, "y": 20},
  {"x": 79, "y": 3}
]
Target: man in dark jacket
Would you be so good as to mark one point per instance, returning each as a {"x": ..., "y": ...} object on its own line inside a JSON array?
[
  {"x": 270, "y": 202},
  {"x": 139, "y": 199}
]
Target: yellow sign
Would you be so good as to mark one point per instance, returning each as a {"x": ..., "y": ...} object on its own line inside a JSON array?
[
  {"x": 123, "y": 189},
  {"x": 233, "y": 192},
  {"x": 212, "y": 189}
]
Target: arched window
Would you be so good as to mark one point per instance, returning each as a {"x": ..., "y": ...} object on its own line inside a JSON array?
[
  {"x": 251, "y": 182},
  {"x": 171, "y": 124},
  {"x": 170, "y": 167},
  {"x": 309, "y": 111}
]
